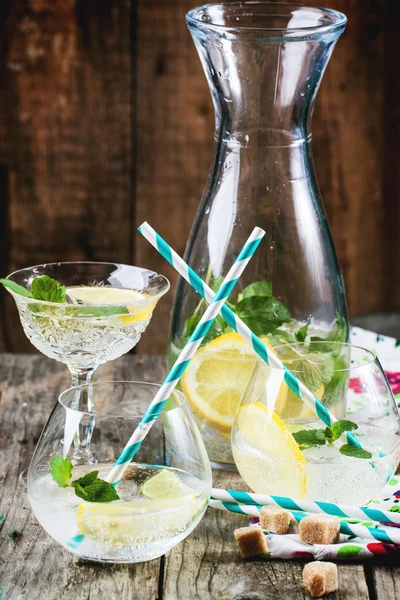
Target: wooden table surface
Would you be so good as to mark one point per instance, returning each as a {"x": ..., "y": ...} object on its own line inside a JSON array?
[{"x": 204, "y": 566}]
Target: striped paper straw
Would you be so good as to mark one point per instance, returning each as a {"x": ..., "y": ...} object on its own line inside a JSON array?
[
  {"x": 308, "y": 506},
  {"x": 244, "y": 331},
  {"x": 389, "y": 535},
  {"x": 185, "y": 356}
]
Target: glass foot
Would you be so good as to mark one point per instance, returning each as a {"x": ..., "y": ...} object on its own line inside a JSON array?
[{"x": 23, "y": 478}]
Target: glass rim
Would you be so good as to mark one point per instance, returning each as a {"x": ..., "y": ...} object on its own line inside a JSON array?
[
  {"x": 373, "y": 356},
  {"x": 140, "y": 303},
  {"x": 340, "y": 21},
  {"x": 137, "y": 416}
]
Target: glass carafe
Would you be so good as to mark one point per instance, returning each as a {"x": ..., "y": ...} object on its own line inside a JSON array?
[{"x": 264, "y": 63}]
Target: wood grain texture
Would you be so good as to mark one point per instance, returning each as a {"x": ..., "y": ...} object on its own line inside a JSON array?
[
  {"x": 348, "y": 132},
  {"x": 106, "y": 120},
  {"x": 386, "y": 582},
  {"x": 174, "y": 136},
  {"x": 65, "y": 141},
  {"x": 206, "y": 565},
  {"x": 35, "y": 567}
]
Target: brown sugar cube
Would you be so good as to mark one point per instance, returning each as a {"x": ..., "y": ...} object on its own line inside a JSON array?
[
  {"x": 274, "y": 518},
  {"x": 250, "y": 541},
  {"x": 320, "y": 578},
  {"x": 319, "y": 529}
]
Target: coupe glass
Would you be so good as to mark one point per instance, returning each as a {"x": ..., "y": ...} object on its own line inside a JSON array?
[
  {"x": 269, "y": 418},
  {"x": 163, "y": 493},
  {"x": 83, "y": 336}
]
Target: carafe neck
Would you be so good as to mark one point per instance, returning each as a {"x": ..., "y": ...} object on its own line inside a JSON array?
[{"x": 263, "y": 86}]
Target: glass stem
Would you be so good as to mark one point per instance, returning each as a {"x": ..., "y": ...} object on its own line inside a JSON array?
[
  {"x": 81, "y": 376},
  {"x": 82, "y": 449}
]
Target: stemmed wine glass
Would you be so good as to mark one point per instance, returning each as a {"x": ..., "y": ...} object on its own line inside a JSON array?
[{"x": 107, "y": 308}]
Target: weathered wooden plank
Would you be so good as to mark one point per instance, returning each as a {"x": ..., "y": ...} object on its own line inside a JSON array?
[
  {"x": 174, "y": 136},
  {"x": 207, "y": 565},
  {"x": 386, "y": 582},
  {"x": 348, "y": 146},
  {"x": 65, "y": 136},
  {"x": 35, "y": 567}
]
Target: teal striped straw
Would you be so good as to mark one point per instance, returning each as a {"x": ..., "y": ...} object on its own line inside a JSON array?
[
  {"x": 242, "y": 329},
  {"x": 158, "y": 402},
  {"x": 308, "y": 506},
  {"x": 389, "y": 535}
]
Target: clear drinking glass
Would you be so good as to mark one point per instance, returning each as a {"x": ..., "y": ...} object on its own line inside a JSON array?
[
  {"x": 163, "y": 493},
  {"x": 275, "y": 446},
  {"x": 86, "y": 331},
  {"x": 217, "y": 377}
]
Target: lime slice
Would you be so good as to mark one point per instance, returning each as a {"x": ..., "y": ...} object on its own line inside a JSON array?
[
  {"x": 137, "y": 522},
  {"x": 166, "y": 484}
]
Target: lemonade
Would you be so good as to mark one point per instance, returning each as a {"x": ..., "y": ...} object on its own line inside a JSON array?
[
  {"x": 264, "y": 461},
  {"x": 95, "y": 325},
  {"x": 217, "y": 377},
  {"x": 158, "y": 507},
  {"x": 346, "y": 460}
]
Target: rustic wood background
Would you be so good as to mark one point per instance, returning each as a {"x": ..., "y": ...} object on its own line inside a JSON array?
[{"x": 106, "y": 120}]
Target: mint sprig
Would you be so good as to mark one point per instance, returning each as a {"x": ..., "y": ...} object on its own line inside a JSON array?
[
  {"x": 48, "y": 289},
  {"x": 354, "y": 451},
  {"x": 43, "y": 288},
  {"x": 89, "y": 487},
  {"x": 61, "y": 470},
  {"x": 306, "y": 438}
]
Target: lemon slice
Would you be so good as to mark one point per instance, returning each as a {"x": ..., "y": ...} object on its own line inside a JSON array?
[
  {"x": 137, "y": 522},
  {"x": 267, "y": 456},
  {"x": 289, "y": 406},
  {"x": 114, "y": 296},
  {"x": 165, "y": 484},
  {"x": 216, "y": 378}
]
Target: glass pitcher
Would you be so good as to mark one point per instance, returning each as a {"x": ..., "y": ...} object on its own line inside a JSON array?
[{"x": 264, "y": 63}]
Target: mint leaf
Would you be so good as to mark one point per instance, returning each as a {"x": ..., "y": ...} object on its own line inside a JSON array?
[
  {"x": 301, "y": 334},
  {"x": 395, "y": 508},
  {"x": 47, "y": 289},
  {"x": 310, "y": 437},
  {"x": 280, "y": 337},
  {"x": 216, "y": 284},
  {"x": 15, "y": 287},
  {"x": 61, "y": 470},
  {"x": 336, "y": 388},
  {"x": 339, "y": 427},
  {"x": 190, "y": 325},
  {"x": 92, "y": 489},
  {"x": 217, "y": 328},
  {"x": 312, "y": 369},
  {"x": 258, "y": 288},
  {"x": 262, "y": 314},
  {"x": 350, "y": 450}
]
